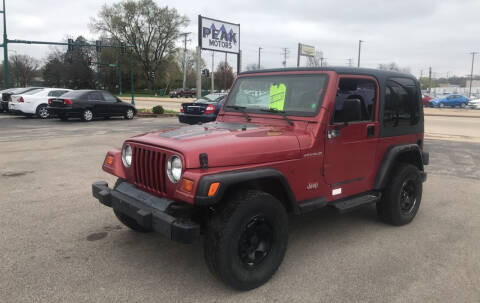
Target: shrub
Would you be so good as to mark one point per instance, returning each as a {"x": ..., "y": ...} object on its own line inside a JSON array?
[{"x": 158, "y": 109}]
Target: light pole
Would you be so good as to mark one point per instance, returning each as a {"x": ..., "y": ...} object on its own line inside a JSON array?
[
  {"x": 259, "y": 50},
  {"x": 359, "y": 51},
  {"x": 471, "y": 75}
]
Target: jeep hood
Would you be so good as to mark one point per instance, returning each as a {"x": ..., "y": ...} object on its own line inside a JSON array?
[{"x": 226, "y": 144}]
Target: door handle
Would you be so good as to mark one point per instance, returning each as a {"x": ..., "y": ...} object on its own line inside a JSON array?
[{"x": 370, "y": 130}]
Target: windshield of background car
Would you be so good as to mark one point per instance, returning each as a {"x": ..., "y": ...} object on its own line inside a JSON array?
[
  {"x": 298, "y": 95},
  {"x": 210, "y": 98}
]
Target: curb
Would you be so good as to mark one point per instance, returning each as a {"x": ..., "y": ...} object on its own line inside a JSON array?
[
  {"x": 451, "y": 115},
  {"x": 156, "y": 115}
]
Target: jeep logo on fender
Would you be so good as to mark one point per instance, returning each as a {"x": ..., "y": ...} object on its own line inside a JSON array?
[{"x": 219, "y": 35}]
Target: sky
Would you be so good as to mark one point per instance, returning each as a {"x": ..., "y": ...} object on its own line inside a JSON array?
[{"x": 415, "y": 34}]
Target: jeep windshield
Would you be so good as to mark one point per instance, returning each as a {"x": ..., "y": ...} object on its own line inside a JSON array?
[{"x": 297, "y": 95}]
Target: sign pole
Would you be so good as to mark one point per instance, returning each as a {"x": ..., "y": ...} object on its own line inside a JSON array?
[
  {"x": 239, "y": 62},
  {"x": 213, "y": 66},
  {"x": 199, "y": 73}
]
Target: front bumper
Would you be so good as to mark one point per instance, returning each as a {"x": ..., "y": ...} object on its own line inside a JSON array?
[{"x": 147, "y": 210}]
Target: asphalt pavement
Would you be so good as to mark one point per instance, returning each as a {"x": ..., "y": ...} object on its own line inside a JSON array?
[{"x": 58, "y": 244}]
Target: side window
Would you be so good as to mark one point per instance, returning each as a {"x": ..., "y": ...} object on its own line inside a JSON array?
[
  {"x": 56, "y": 93},
  {"x": 109, "y": 97},
  {"x": 402, "y": 105},
  {"x": 356, "y": 100},
  {"x": 95, "y": 96}
]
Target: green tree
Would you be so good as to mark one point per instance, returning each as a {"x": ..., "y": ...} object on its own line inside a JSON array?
[
  {"x": 151, "y": 29},
  {"x": 224, "y": 76}
]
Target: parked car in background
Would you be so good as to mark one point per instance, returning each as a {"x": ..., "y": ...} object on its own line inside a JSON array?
[
  {"x": 35, "y": 102},
  {"x": 1, "y": 103},
  {"x": 6, "y": 95},
  {"x": 202, "y": 110},
  {"x": 182, "y": 93},
  {"x": 450, "y": 100},
  {"x": 475, "y": 104},
  {"x": 426, "y": 100},
  {"x": 88, "y": 104}
]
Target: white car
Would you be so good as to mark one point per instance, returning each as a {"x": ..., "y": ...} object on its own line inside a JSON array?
[
  {"x": 35, "y": 102},
  {"x": 475, "y": 104}
]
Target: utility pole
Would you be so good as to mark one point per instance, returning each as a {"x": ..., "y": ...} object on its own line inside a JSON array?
[
  {"x": 429, "y": 79},
  {"x": 471, "y": 75},
  {"x": 349, "y": 62},
  {"x": 213, "y": 66},
  {"x": 259, "y": 50},
  {"x": 5, "y": 48},
  {"x": 185, "y": 36},
  {"x": 321, "y": 61},
  {"x": 285, "y": 54},
  {"x": 359, "y": 51}
]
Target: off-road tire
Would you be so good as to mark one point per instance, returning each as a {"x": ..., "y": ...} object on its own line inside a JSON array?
[
  {"x": 87, "y": 115},
  {"x": 389, "y": 209},
  {"x": 230, "y": 223},
  {"x": 126, "y": 220},
  {"x": 42, "y": 112}
]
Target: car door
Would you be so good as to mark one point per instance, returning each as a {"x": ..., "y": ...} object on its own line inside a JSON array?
[
  {"x": 113, "y": 106},
  {"x": 351, "y": 138},
  {"x": 95, "y": 102}
]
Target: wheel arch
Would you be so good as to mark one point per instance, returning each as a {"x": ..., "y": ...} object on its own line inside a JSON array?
[
  {"x": 269, "y": 180},
  {"x": 408, "y": 153}
]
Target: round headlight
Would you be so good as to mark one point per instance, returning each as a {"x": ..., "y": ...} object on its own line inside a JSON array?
[
  {"x": 174, "y": 169},
  {"x": 127, "y": 155}
]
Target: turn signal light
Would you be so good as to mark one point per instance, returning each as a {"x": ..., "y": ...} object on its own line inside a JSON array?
[
  {"x": 21, "y": 99},
  {"x": 109, "y": 160},
  {"x": 213, "y": 189},
  {"x": 187, "y": 185}
]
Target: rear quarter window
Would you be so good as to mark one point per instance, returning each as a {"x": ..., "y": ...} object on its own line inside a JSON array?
[{"x": 402, "y": 103}]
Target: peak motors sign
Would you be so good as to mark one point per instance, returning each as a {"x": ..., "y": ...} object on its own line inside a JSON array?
[{"x": 218, "y": 35}]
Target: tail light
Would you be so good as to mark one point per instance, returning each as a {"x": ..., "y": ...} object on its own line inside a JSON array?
[
  {"x": 210, "y": 109},
  {"x": 21, "y": 99},
  {"x": 67, "y": 102},
  {"x": 181, "y": 108},
  {"x": 49, "y": 101}
]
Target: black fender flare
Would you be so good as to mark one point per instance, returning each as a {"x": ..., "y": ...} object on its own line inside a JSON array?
[
  {"x": 230, "y": 178},
  {"x": 390, "y": 159}
]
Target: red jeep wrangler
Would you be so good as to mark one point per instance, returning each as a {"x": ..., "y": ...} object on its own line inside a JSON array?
[{"x": 287, "y": 141}]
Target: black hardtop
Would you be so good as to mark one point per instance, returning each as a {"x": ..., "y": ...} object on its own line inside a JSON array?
[{"x": 377, "y": 73}]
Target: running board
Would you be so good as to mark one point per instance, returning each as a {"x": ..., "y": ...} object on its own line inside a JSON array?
[{"x": 349, "y": 204}]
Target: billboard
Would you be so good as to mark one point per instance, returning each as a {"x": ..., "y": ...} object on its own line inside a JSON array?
[
  {"x": 218, "y": 35},
  {"x": 306, "y": 50}
]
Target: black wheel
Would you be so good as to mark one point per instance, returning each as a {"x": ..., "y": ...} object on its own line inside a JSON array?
[
  {"x": 42, "y": 111},
  {"x": 129, "y": 113},
  {"x": 402, "y": 196},
  {"x": 63, "y": 117},
  {"x": 87, "y": 115},
  {"x": 246, "y": 239},
  {"x": 126, "y": 220}
]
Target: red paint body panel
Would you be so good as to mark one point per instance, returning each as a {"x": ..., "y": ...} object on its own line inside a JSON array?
[{"x": 312, "y": 163}]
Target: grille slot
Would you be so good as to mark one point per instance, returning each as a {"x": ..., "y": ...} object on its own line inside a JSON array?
[{"x": 149, "y": 168}]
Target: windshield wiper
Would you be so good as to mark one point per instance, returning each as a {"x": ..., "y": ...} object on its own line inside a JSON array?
[
  {"x": 240, "y": 109},
  {"x": 282, "y": 112}
]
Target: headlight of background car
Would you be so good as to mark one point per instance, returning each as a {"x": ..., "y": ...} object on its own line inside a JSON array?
[
  {"x": 174, "y": 168},
  {"x": 127, "y": 155}
]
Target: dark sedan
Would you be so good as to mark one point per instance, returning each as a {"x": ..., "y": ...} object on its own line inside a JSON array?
[
  {"x": 202, "y": 110},
  {"x": 88, "y": 104},
  {"x": 7, "y": 94}
]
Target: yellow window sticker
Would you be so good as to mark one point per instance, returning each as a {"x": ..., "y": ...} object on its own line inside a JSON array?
[{"x": 277, "y": 96}]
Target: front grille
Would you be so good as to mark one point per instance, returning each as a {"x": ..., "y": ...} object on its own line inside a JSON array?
[{"x": 149, "y": 169}]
